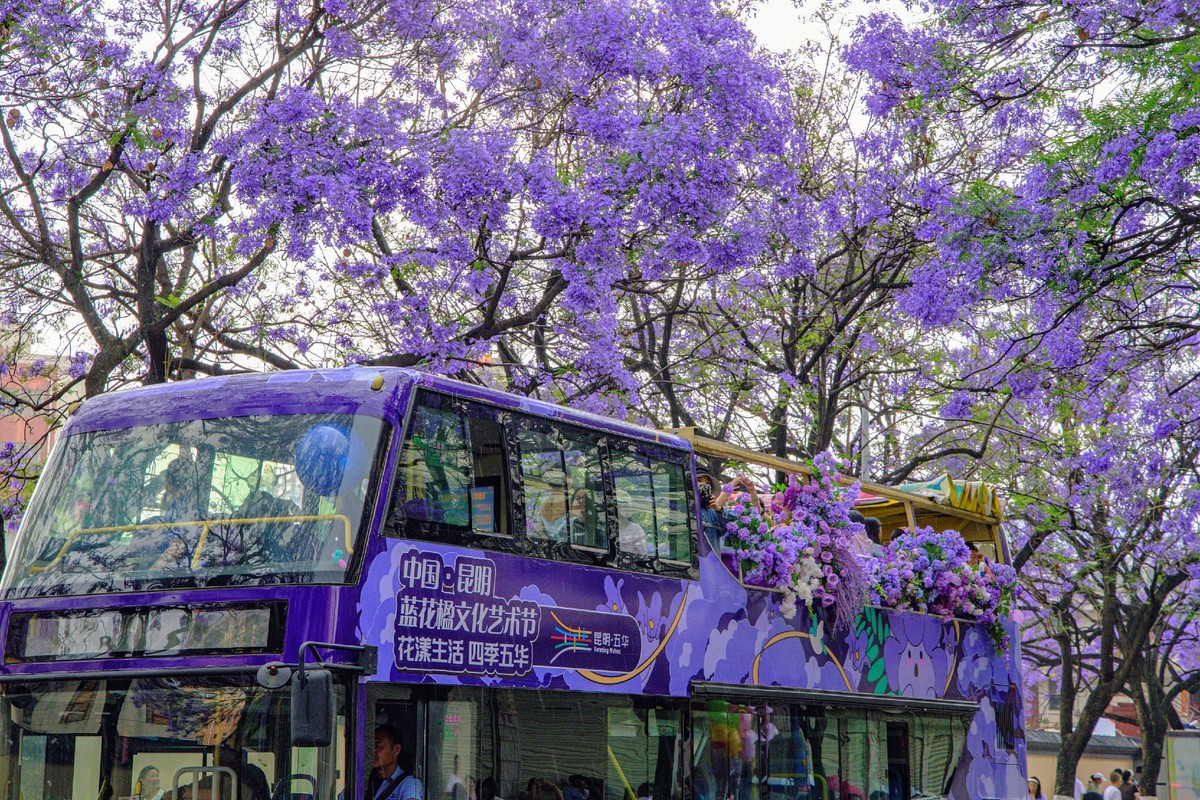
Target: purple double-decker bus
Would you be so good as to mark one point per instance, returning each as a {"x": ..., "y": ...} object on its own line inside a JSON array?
[{"x": 235, "y": 588}]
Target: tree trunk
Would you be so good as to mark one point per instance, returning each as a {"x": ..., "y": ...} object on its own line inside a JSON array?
[
  {"x": 149, "y": 311},
  {"x": 1153, "y": 712},
  {"x": 777, "y": 430}
]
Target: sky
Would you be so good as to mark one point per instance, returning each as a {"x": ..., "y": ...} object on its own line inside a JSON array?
[
  {"x": 777, "y": 24},
  {"x": 781, "y": 24}
]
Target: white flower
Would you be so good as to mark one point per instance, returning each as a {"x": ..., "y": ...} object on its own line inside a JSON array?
[
  {"x": 787, "y": 608},
  {"x": 804, "y": 593}
]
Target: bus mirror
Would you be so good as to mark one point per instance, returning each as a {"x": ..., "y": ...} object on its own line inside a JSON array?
[
  {"x": 312, "y": 708},
  {"x": 274, "y": 675}
]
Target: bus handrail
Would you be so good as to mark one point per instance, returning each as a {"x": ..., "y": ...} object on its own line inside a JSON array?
[
  {"x": 714, "y": 447},
  {"x": 204, "y": 524},
  {"x": 196, "y": 772}
]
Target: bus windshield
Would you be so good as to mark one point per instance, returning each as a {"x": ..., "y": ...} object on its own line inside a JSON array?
[
  {"x": 160, "y": 739},
  {"x": 235, "y": 500}
]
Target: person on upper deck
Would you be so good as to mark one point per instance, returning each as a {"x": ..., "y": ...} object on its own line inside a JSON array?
[
  {"x": 179, "y": 503},
  {"x": 631, "y": 537},
  {"x": 746, "y": 485},
  {"x": 860, "y": 543},
  {"x": 712, "y": 501},
  {"x": 552, "y": 520}
]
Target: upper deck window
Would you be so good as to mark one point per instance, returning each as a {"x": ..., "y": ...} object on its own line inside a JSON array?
[
  {"x": 452, "y": 468},
  {"x": 270, "y": 498},
  {"x": 482, "y": 476},
  {"x": 564, "y": 487},
  {"x": 652, "y": 507}
]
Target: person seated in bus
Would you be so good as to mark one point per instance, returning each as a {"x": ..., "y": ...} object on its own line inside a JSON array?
[
  {"x": 631, "y": 537},
  {"x": 575, "y": 788},
  {"x": 149, "y": 784},
  {"x": 456, "y": 789},
  {"x": 539, "y": 789},
  {"x": 583, "y": 519},
  {"x": 179, "y": 503},
  {"x": 253, "y": 536},
  {"x": 552, "y": 520},
  {"x": 488, "y": 789}
]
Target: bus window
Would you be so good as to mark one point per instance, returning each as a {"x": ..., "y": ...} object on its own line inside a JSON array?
[
  {"x": 724, "y": 751},
  {"x": 152, "y": 737},
  {"x": 635, "y": 504},
  {"x": 803, "y": 754},
  {"x": 671, "y": 511},
  {"x": 483, "y": 744},
  {"x": 652, "y": 507},
  {"x": 564, "y": 488},
  {"x": 231, "y": 499},
  {"x": 857, "y": 750},
  {"x": 453, "y": 467},
  {"x": 933, "y": 753}
]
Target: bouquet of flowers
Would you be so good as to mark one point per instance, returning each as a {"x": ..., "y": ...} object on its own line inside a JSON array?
[
  {"x": 800, "y": 543},
  {"x": 931, "y": 572},
  {"x": 767, "y": 555}
]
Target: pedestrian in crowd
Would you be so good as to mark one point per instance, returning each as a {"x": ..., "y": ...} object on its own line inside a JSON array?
[
  {"x": 1128, "y": 790},
  {"x": 1095, "y": 787},
  {"x": 1113, "y": 790},
  {"x": 1078, "y": 794},
  {"x": 1035, "y": 789}
]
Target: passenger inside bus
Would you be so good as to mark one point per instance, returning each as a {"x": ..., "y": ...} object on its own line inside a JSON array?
[
  {"x": 487, "y": 789},
  {"x": 630, "y": 536},
  {"x": 553, "y": 520},
  {"x": 149, "y": 784},
  {"x": 259, "y": 532},
  {"x": 179, "y": 503}
]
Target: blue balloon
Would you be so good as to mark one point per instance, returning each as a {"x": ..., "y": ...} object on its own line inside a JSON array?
[{"x": 321, "y": 457}]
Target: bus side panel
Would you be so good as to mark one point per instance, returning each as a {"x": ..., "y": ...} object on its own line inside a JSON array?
[{"x": 454, "y": 616}]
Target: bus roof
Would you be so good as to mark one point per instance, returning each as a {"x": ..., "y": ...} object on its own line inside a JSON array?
[{"x": 381, "y": 392}]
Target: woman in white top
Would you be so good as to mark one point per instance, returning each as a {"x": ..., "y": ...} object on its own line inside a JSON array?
[{"x": 149, "y": 785}]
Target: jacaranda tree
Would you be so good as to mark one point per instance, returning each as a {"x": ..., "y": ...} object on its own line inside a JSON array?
[
  {"x": 1070, "y": 273},
  {"x": 200, "y": 185}
]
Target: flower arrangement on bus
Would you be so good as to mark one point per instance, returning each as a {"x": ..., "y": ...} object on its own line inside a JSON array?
[
  {"x": 934, "y": 572},
  {"x": 802, "y": 541}
]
